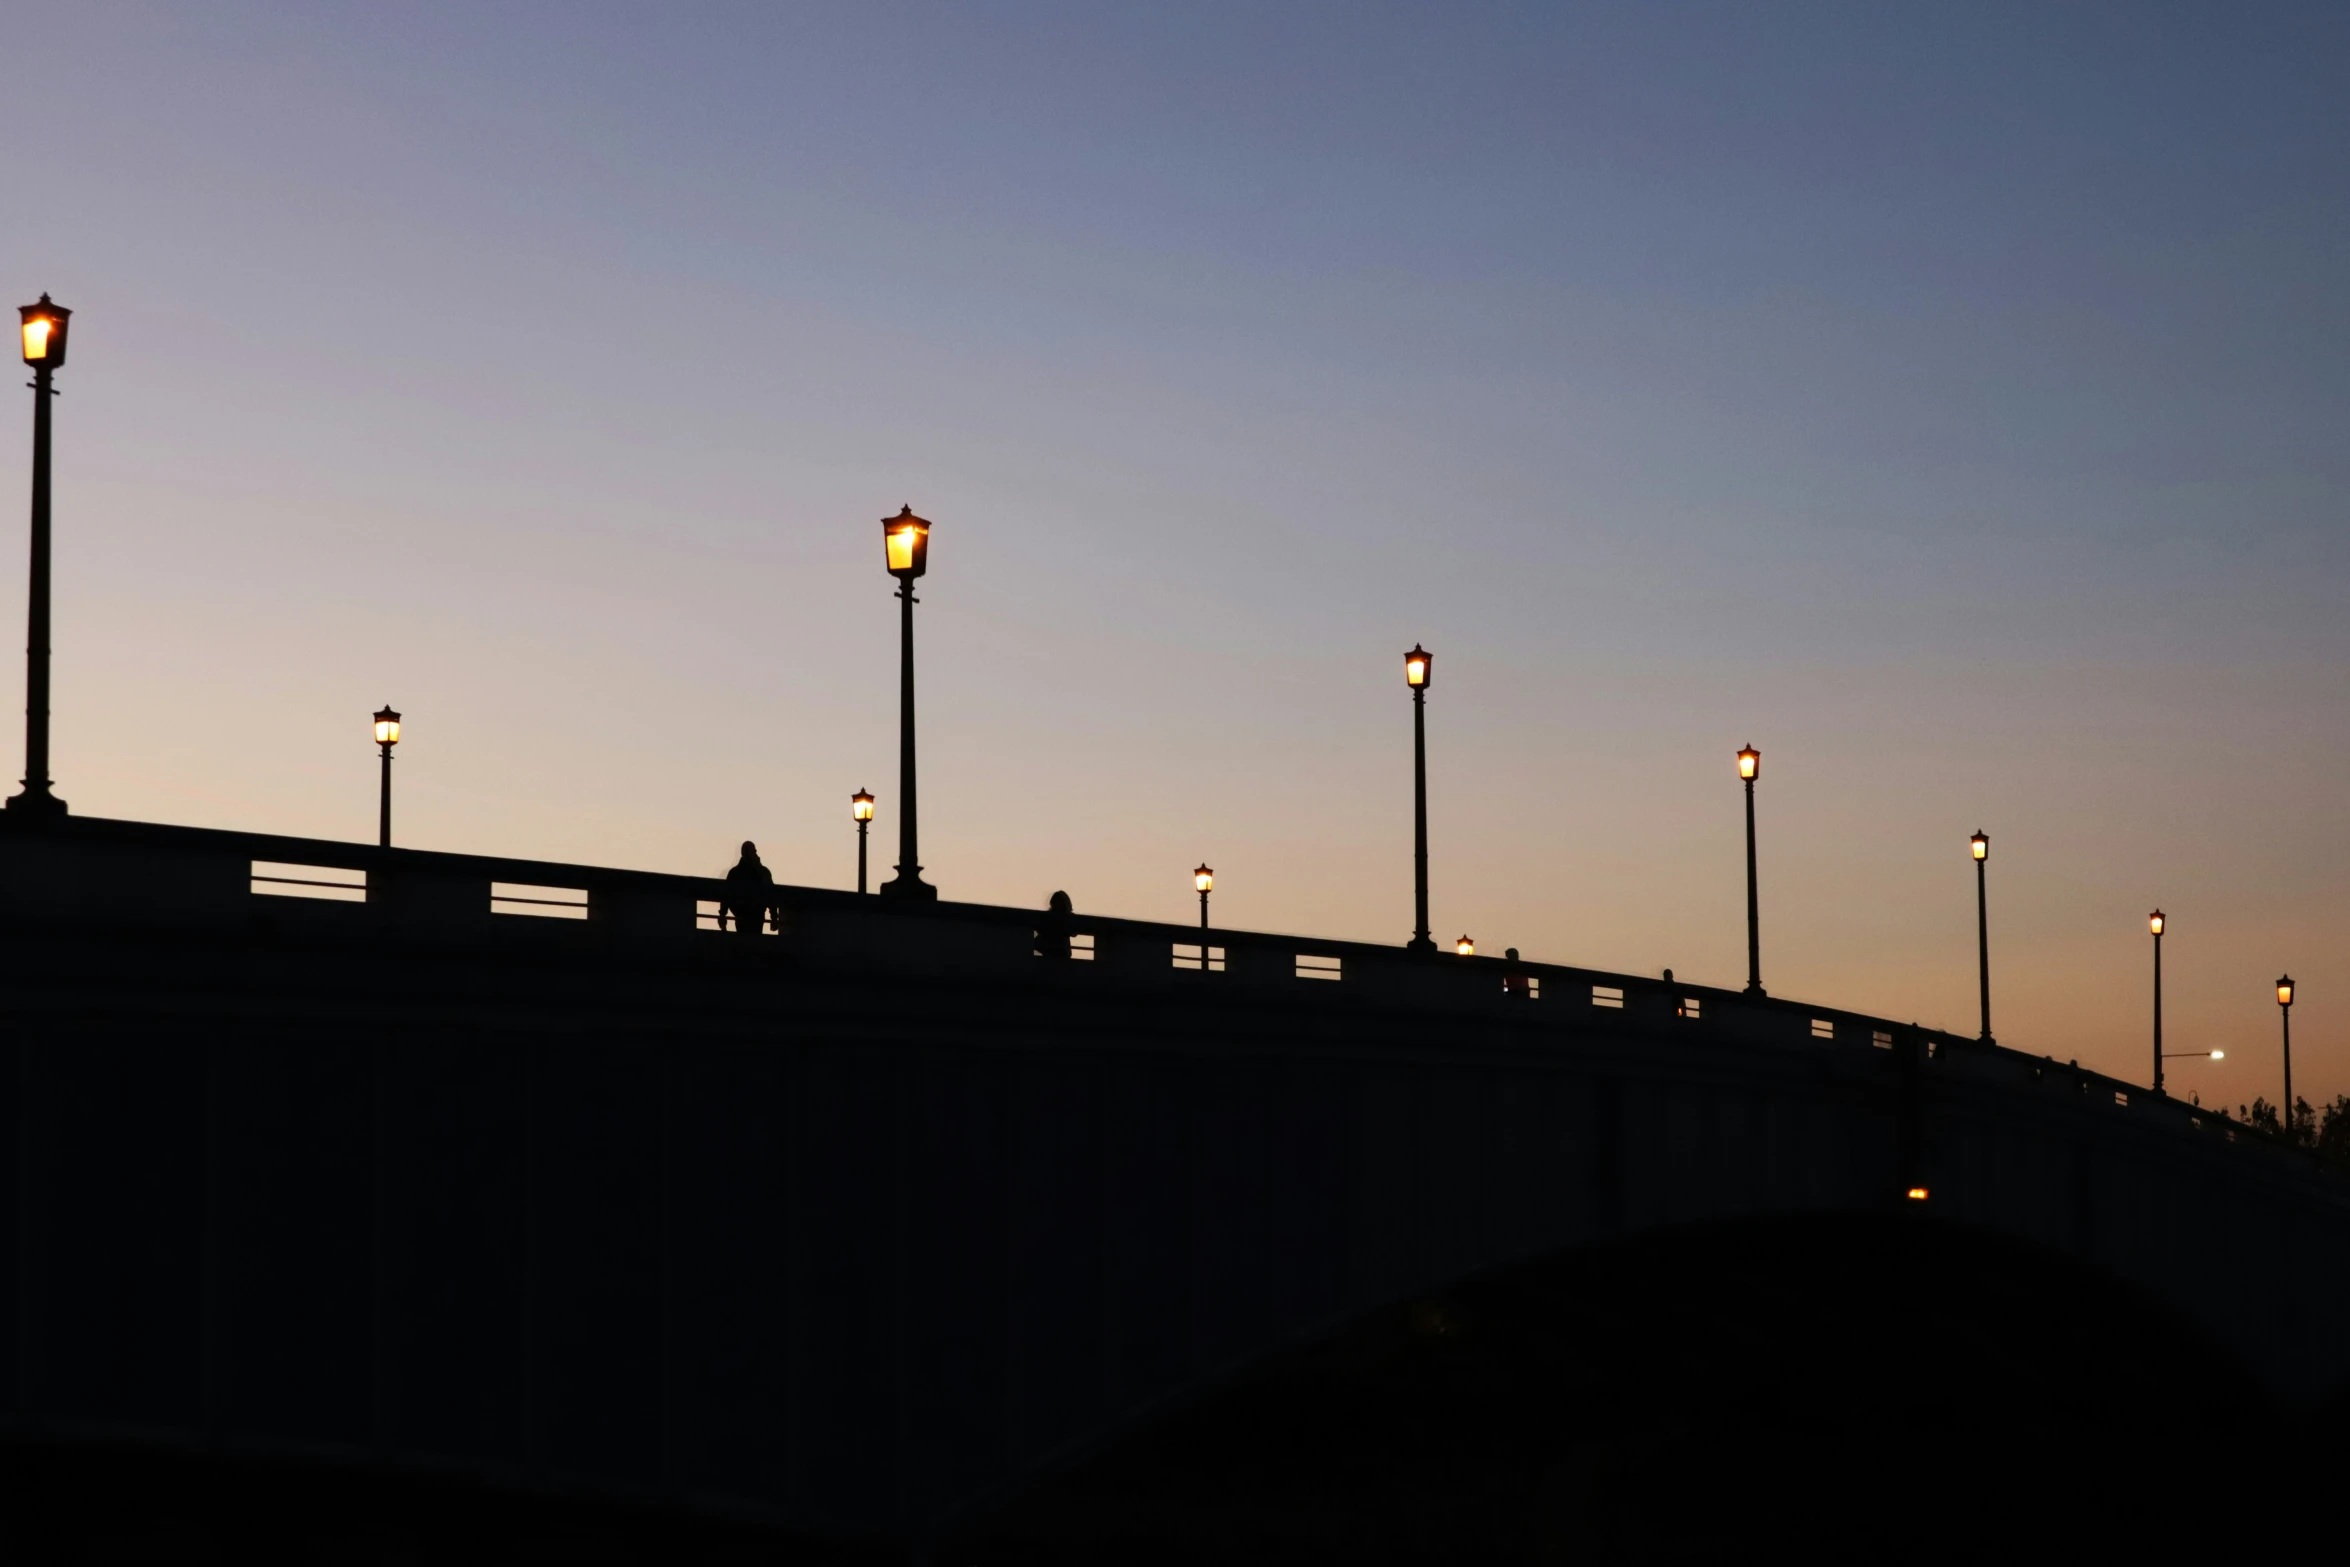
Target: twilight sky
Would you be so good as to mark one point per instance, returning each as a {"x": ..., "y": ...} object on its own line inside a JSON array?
[{"x": 1948, "y": 400}]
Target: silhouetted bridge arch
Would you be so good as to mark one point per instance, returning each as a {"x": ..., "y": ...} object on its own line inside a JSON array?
[{"x": 854, "y": 1227}]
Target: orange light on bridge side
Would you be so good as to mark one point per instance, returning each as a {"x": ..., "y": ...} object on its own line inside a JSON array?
[
  {"x": 1465, "y": 947},
  {"x": 1917, "y": 1194}
]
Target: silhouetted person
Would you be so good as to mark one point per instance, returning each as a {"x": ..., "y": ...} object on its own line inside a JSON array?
[
  {"x": 1517, "y": 982},
  {"x": 1052, "y": 932},
  {"x": 750, "y": 891}
]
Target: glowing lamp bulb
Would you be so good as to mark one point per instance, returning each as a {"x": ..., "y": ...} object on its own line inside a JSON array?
[
  {"x": 44, "y": 333},
  {"x": 1981, "y": 846},
  {"x": 2154, "y": 923},
  {"x": 2285, "y": 991},
  {"x": 1418, "y": 665},
  {"x": 387, "y": 727},
  {"x": 2219, "y": 1055},
  {"x": 1203, "y": 878},
  {"x": 1917, "y": 1194},
  {"x": 1465, "y": 947},
  {"x": 861, "y": 806},
  {"x": 907, "y": 539},
  {"x": 1749, "y": 763}
]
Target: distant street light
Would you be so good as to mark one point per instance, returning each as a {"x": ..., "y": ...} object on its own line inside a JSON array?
[
  {"x": 906, "y": 539},
  {"x": 1465, "y": 947},
  {"x": 1418, "y": 669},
  {"x": 861, "y": 807},
  {"x": 1749, "y": 769},
  {"x": 1981, "y": 844},
  {"x": 44, "y": 350},
  {"x": 1205, "y": 880},
  {"x": 2285, "y": 1016},
  {"x": 387, "y": 735},
  {"x": 2154, "y": 927}
]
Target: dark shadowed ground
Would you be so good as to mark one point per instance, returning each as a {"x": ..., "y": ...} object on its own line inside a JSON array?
[{"x": 1881, "y": 1389}]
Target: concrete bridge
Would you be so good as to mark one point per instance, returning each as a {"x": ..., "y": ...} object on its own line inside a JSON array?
[{"x": 521, "y": 1178}]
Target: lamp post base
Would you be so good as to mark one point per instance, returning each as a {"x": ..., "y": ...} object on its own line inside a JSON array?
[
  {"x": 36, "y": 802},
  {"x": 1754, "y": 988},
  {"x": 1419, "y": 944},
  {"x": 909, "y": 886}
]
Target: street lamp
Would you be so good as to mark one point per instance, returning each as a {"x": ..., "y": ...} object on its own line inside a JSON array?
[
  {"x": 2154, "y": 928},
  {"x": 2285, "y": 1016},
  {"x": 1205, "y": 880},
  {"x": 1981, "y": 844},
  {"x": 1418, "y": 668},
  {"x": 387, "y": 735},
  {"x": 906, "y": 540},
  {"x": 44, "y": 350},
  {"x": 1465, "y": 947},
  {"x": 861, "y": 807},
  {"x": 1749, "y": 769}
]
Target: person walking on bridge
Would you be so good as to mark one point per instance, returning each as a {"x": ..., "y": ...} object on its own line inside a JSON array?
[{"x": 750, "y": 892}]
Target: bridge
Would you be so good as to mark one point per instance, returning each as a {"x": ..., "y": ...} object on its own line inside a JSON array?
[{"x": 480, "y": 1178}]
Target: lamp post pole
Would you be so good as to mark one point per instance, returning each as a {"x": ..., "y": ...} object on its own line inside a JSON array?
[
  {"x": 44, "y": 350},
  {"x": 387, "y": 735},
  {"x": 1418, "y": 669},
  {"x": 2285, "y": 1016},
  {"x": 1749, "y": 769},
  {"x": 907, "y": 540},
  {"x": 2154, "y": 924},
  {"x": 1981, "y": 844}
]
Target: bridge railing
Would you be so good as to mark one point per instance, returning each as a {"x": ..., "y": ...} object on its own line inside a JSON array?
[{"x": 148, "y": 873}]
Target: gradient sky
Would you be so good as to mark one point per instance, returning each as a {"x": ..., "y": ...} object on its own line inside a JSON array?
[{"x": 1951, "y": 401}]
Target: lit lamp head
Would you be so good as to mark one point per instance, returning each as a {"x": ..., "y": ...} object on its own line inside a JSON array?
[
  {"x": 1980, "y": 844},
  {"x": 2284, "y": 990},
  {"x": 44, "y": 334},
  {"x": 1418, "y": 665},
  {"x": 861, "y": 806},
  {"x": 387, "y": 727},
  {"x": 1465, "y": 947},
  {"x": 1749, "y": 763},
  {"x": 907, "y": 539},
  {"x": 2154, "y": 923},
  {"x": 1203, "y": 878}
]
